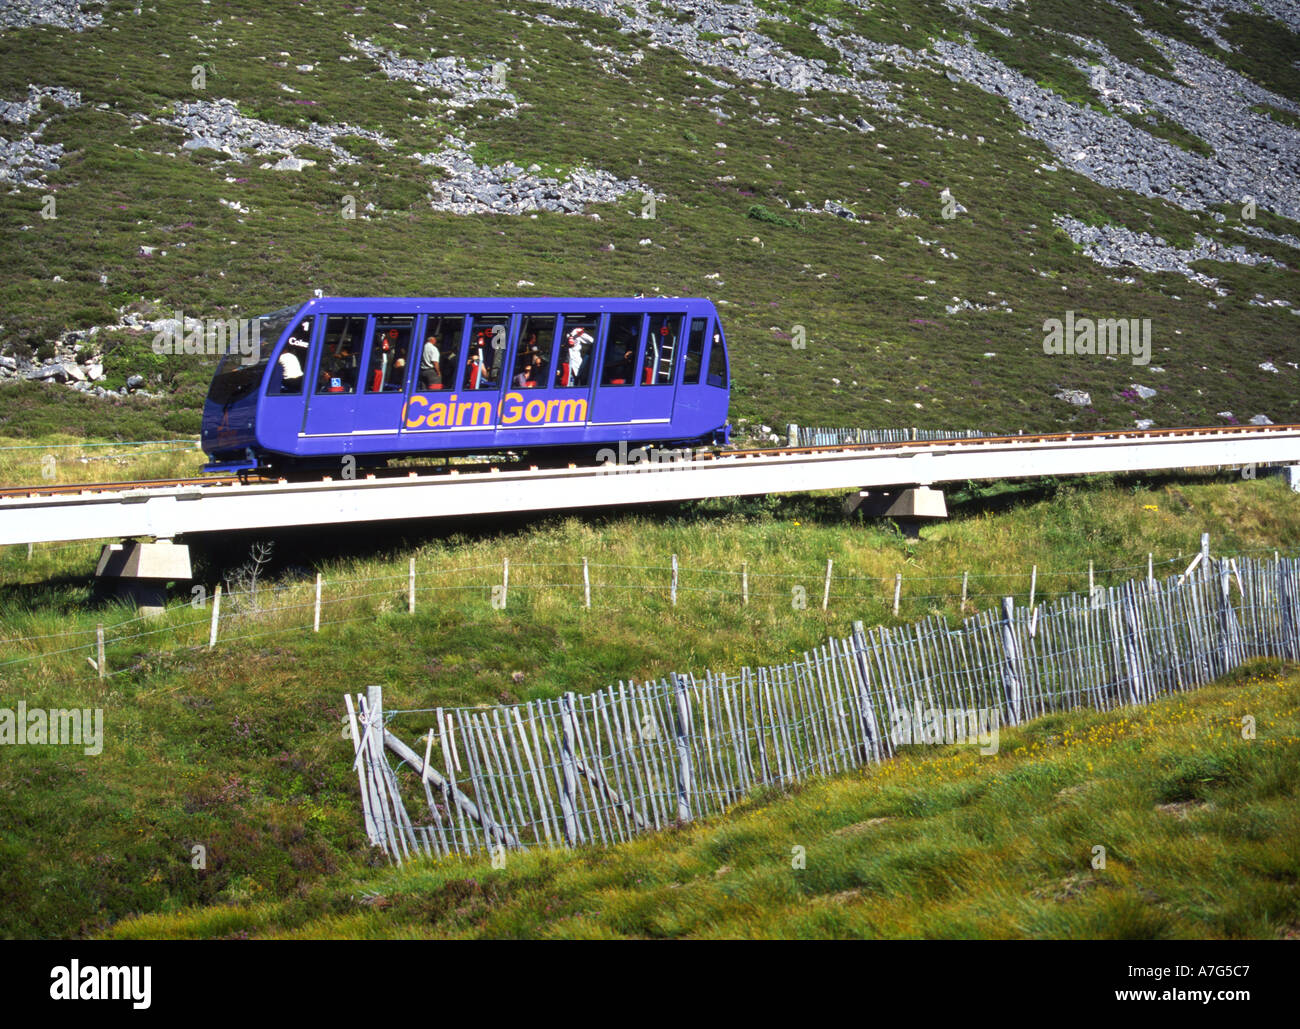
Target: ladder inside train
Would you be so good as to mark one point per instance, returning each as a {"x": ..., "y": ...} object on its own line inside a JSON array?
[{"x": 664, "y": 362}]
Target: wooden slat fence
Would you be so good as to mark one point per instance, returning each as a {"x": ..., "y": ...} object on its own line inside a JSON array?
[
  {"x": 824, "y": 436},
  {"x": 634, "y": 757}
]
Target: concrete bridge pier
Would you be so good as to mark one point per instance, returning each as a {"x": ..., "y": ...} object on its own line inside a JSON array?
[
  {"x": 908, "y": 506},
  {"x": 140, "y": 572}
]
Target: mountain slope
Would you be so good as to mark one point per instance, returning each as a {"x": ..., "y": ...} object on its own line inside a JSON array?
[{"x": 915, "y": 188}]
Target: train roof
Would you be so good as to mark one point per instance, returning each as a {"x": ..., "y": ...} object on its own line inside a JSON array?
[{"x": 417, "y": 305}]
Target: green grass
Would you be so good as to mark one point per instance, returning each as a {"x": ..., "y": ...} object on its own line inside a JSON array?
[
  {"x": 1200, "y": 831},
  {"x": 239, "y": 749}
]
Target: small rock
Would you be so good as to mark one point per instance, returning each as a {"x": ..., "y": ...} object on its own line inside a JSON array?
[{"x": 291, "y": 163}]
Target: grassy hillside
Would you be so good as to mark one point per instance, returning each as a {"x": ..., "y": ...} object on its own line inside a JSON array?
[
  {"x": 239, "y": 749},
  {"x": 818, "y": 213},
  {"x": 732, "y": 161},
  {"x": 1200, "y": 828}
]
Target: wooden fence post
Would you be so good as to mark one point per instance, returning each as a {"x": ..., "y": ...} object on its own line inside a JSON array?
[
  {"x": 898, "y": 589},
  {"x": 1287, "y": 616},
  {"x": 569, "y": 765},
  {"x": 1133, "y": 648},
  {"x": 1033, "y": 586},
  {"x": 505, "y": 580},
  {"x": 673, "y": 587},
  {"x": 586, "y": 585},
  {"x": 964, "y": 577},
  {"x": 866, "y": 713},
  {"x": 1228, "y": 619},
  {"x": 684, "y": 774},
  {"x": 410, "y": 592},
  {"x": 216, "y": 616},
  {"x": 826, "y": 593},
  {"x": 744, "y": 583},
  {"x": 1012, "y": 672},
  {"x": 315, "y": 618}
]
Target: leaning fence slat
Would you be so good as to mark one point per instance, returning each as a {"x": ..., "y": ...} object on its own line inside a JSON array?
[{"x": 372, "y": 829}]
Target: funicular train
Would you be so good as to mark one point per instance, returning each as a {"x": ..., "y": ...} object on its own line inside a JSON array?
[{"x": 383, "y": 378}]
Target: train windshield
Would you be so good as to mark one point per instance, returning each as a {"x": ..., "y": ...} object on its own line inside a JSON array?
[{"x": 237, "y": 375}]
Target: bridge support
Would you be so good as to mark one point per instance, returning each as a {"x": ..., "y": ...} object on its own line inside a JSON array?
[
  {"x": 141, "y": 571},
  {"x": 910, "y": 507}
]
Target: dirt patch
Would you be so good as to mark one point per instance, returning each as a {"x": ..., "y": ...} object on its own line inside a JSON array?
[
  {"x": 1183, "y": 808},
  {"x": 1074, "y": 885},
  {"x": 857, "y": 828},
  {"x": 1078, "y": 790}
]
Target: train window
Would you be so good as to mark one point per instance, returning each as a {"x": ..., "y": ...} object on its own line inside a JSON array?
[
  {"x": 287, "y": 376},
  {"x": 485, "y": 354},
  {"x": 440, "y": 352},
  {"x": 340, "y": 354},
  {"x": 389, "y": 350},
  {"x": 694, "y": 358},
  {"x": 620, "y": 350},
  {"x": 234, "y": 379},
  {"x": 574, "y": 364},
  {"x": 662, "y": 343},
  {"x": 536, "y": 342},
  {"x": 718, "y": 359}
]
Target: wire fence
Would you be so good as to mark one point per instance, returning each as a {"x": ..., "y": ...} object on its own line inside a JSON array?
[
  {"x": 224, "y": 616},
  {"x": 606, "y": 766}
]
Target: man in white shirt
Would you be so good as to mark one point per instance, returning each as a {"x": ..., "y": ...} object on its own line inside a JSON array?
[
  {"x": 291, "y": 365},
  {"x": 577, "y": 338},
  {"x": 430, "y": 373}
]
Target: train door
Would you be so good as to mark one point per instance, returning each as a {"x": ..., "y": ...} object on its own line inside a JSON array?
[
  {"x": 537, "y": 394},
  {"x": 335, "y": 371},
  {"x": 281, "y": 415},
  {"x": 616, "y": 395},
  {"x": 573, "y": 368},
  {"x": 483, "y": 371},
  {"x": 693, "y": 405},
  {"x": 388, "y": 359},
  {"x": 438, "y": 357},
  {"x": 657, "y": 382}
]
